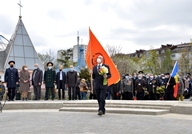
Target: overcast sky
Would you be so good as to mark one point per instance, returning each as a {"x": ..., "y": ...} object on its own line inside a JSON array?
[{"x": 131, "y": 24}]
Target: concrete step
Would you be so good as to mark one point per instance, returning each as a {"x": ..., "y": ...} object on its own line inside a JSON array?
[
  {"x": 117, "y": 106},
  {"x": 117, "y": 110}
]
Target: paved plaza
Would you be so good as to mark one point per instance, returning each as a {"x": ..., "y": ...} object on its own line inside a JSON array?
[{"x": 55, "y": 122}]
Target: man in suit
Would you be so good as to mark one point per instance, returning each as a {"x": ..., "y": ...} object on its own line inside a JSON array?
[
  {"x": 99, "y": 87},
  {"x": 49, "y": 80},
  {"x": 71, "y": 82},
  {"x": 11, "y": 77},
  {"x": 169, "y": 87},
  {"x": 61, "y": 81},
  {"x": 37, "y": 77}
]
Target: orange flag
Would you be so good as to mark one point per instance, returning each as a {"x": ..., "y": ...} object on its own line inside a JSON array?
[{"x": 94, "y": 49}]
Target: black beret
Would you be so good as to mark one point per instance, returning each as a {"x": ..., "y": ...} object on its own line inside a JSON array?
[
  {"x": 49, "y": 63},
  {"x": 140, "y": 72},
  {"x": 167, "y": 73},
  {"x": 11, "y": 62}
]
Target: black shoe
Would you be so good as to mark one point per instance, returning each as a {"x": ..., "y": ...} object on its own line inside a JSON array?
[
  {"x": 12, "y": 99},
  {"x": 26, "y": 99},
  {"x": 9, "y": 100},
  {"x": 45, "y": 99},
  {"x": 23, "y": 99},
  {"x": 100, "y": 113}
]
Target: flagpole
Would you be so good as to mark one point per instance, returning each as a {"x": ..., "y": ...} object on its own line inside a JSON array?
[
  {"x": 171, "y": 74},
  {"x": 91, "y": 63}
]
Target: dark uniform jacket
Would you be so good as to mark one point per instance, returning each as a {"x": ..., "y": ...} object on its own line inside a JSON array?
[
  {"x": 38, "y": 77},
  {"x": 49, "y": 78},
  {"x": 98, "y": 79},
  {"x": 63, "y": 80},
  {"x": 11, "y": 77}
]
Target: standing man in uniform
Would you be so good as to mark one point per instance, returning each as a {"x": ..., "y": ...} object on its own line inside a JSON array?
[
  {"x": 11, "y": 77},
  {"x": 49, "y": 80},
  {"x": 37, "y": 77},
  {"x": 98, "y": 84}
]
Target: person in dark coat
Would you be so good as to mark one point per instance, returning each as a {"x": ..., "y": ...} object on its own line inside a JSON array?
[
  {"x": 151, "y": 87},
  {"x": 139, "y": 87},
  {"x": 61, "y": 83},
  {"x": 169, "y": 87},
  {"x": 50, "y": 80},
  {"x": 116, "y": 90},
  {"x": 11, "y": 77},
  {"x": 134, "y": 80},
  {"x": 37, "y": 77},
  {"x": 71, "y": 82},
  {"x": 99, "y": 87}
]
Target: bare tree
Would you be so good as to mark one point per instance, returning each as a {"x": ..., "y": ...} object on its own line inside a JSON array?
[
  {"x": 47, "y": 57},
  {"x": 113, "y": 50}
]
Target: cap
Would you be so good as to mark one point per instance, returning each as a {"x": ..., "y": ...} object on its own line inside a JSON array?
[
  {"x": 140, "y": 72},
  {"x": 11, "y": 62},
  {"x": 189, "y": 74},
  {"x": 167, "y": 73},
  {"x": 49, "y": 63}
]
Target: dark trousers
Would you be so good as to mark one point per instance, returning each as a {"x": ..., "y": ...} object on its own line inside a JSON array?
[
  {"x": 152, "y": 96},
  {"x": 92, "y": 96},
  {"x": 77, "y": 94},
  {"x": 100, "y": 93},
  {"x": 63, "y": 91},
  {"x": 11, "y": 93},
  {"x": 140, "y": 96},
  {"x": 63, "y": 94},
  {"x": 37, "y": 92},
  {"x": 73, "y": 92},
  {"x": 169, "y": 96},
  {"x": 47, "y": 93},
  {"x": 116, "y": 96},
  {"x": 127, "y": 96}
]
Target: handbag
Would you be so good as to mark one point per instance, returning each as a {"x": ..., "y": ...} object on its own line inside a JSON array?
[{"x": 83, "y": 89}]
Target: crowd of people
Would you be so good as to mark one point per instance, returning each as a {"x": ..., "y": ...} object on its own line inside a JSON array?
[
  {"x": 138, "y": 86},
  {"x": 151, "y": 87}
]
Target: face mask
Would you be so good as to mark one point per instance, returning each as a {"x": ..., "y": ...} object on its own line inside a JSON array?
[
  {"x": 50, "y": 68},
  {"x": 139, "y": 78},
  {"x": 163, "y": 77},
  {"x": 151, "y": 77},
  {"x": 98, "y": 60},
  {"x": 126, "y": 77},
  {"x": 25, "y": 68},
  {"x": 60, "y": 69},
  {"x": 35, "y": 67},
  {"x": 71, "y": 69},
  {"x": 11, "y": 66}
]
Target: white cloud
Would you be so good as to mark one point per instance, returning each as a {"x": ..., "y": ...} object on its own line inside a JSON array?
[{"x": 133, "y": 24}]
